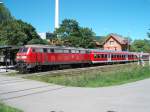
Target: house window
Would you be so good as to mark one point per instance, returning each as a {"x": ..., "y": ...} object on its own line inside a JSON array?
[{"x": 111, "y": 42}]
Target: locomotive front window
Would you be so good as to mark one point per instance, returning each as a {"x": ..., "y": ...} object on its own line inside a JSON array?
[{"x": 23, "y": 49}]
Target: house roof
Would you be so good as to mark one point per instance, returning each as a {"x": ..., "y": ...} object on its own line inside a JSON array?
[{"x": 118, "y": 38}]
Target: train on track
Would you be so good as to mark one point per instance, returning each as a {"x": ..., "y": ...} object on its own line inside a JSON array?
[{"x": 38, "y": 57}]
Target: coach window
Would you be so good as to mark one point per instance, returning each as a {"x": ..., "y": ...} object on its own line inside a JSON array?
[
  {"x": 105, "y": 55},
  {"x": 95, "y": 55},
  {"x": 102, "y": 55},
  {"x": 113, "y": 56}
]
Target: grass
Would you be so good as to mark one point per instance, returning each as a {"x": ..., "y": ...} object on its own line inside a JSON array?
[
  {"x": 99, "y": 78},
  {"x": 5, "y": 108}
]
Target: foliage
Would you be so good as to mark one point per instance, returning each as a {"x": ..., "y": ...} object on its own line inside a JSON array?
[
  {"x": 38, "y": 41},
  {"x": 73, "y": 35},
  {"x": 101, "y": 39},
  {"x": 16, "y": 32},
  {"x": 4, "y": 14},
  {"x": 141, "y": 46}
]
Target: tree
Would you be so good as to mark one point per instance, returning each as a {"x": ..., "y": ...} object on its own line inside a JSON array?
[
  {"x": 69, "y": 27},
  {"x": 87, "y": 38},
  {"x": 140, "y": 46},
  {"x": 16, "y": 32},
  {"x": 38, "y": 41},
  {"x": 73, "y": 35},
  {"x": 4, "y": 14}
]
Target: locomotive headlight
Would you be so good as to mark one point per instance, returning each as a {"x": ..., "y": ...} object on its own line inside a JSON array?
[
  {"x": 23, "y": 57},
  {"x": 18, "y": 57}
]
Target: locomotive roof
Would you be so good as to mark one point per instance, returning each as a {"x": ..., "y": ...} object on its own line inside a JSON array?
[{"x": 57, "y": 47}]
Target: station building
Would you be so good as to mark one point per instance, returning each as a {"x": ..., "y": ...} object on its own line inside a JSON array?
[{"x": 116, "y": 42}]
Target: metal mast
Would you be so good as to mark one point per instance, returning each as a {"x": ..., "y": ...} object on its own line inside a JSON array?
[{"x": 56, "y": 13}]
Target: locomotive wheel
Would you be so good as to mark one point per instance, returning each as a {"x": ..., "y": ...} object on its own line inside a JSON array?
[{"x": 39, "y": 68}]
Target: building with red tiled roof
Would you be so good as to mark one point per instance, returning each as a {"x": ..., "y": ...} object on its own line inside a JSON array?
[{"x": 116, "y": 42}]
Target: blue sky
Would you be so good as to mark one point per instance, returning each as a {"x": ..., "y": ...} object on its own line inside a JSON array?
[{"x": 125, "y": 17}]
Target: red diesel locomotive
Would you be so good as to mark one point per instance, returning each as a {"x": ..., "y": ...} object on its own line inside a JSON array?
[{"x": 37, "y": 57}]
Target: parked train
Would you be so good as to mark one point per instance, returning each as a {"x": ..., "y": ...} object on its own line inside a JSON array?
[{"x": 37, "y": 57}]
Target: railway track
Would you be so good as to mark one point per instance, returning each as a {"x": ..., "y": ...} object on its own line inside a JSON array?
[{"x": 12, "y": 88}]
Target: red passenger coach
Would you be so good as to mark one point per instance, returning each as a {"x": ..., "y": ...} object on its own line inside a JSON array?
[{"x": 99, "y": 56}]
